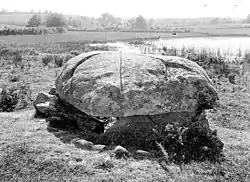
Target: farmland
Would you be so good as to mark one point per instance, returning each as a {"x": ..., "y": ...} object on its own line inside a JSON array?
[
  {"x": 83, "y": 36},
  {"x": 96, "y": 36},
  {"x": 192, "y": 28},
  {"x": 32, "y": 151}
]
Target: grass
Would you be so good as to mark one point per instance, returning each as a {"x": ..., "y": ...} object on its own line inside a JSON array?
[
  {"x": 30, "y": 151},
  {"x": 83, "y": 36}
]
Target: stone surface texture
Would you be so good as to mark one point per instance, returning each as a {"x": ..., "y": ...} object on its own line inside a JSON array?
[
  {"x": 45, "y": 103},
  {"x": 56, "y": 110},
  {"x": 114, "y": 83}
]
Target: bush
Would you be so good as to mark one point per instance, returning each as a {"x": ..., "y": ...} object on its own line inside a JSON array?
[
  {"x": 14, "y": 97},
  {"x": 33, "y": 52},
  {"x": 60, "y": 30},
  {"x": 247, "y": 57},
  {"x": 46, "y": 59},
  {"x": 208, "y": 60},
  {"x": 59, "y": 60},
  {"x": 8, "y": 99},
  {"x": 74, "y": 52},
  {"x": 184, "y": 144},
  {"x": 137, "y": 42},
  {"x": 35, "y": 21},
  {"x": 9, "y": 52},
  {"x": 55, "y": 20},
  {"x": 89, "y": 48},
  {"x": 14, "y": 78},
  {"x": 32, "y": 31},
  {"x": 17, "y": 59}
]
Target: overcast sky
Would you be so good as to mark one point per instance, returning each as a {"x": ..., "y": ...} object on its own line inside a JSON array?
[{"x": 131, "y": 8}]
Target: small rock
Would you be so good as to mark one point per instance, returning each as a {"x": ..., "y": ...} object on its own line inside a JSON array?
[
  {"x": 60, "y": 133},
  {"x": 78, "y": 159},
  {"x": 204, "y": 148},
  {"x": 51, "y": 129},
  {"x": 143, "y": 153},
  {"x": 43, "y": 108},
  {"x": 45, "y": 103},
  {"x": 83, "y": 144},
  {"x": 68, "y": 137},
  {"x": 53, "y": 91},
  {"x": 98, "y": 147},
  {"x": 44, "y": 97},
  {"x": 103, "y": 162},
  {"x": 121, "y": 152},
  {"x": 72, "y": 163},
  {"x": 74, "y": 140},
  {"x": 67, "y": 154},
  {"x": 174, "y": 169}
]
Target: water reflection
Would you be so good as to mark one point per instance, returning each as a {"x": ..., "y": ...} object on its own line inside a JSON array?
[{"x": 225, "y": 44}]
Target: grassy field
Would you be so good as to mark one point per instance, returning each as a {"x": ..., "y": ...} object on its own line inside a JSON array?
[
  {"x": 116, "y": 36},
  {"x": 83, "y": 36},
  {"x": 30, "y": 150}
]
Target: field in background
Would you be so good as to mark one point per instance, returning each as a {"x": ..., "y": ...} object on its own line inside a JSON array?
[
  {"x": 83, "y": 36},
  {"x": 110, "y": 36},
  {"x": 200, "y": 29}
]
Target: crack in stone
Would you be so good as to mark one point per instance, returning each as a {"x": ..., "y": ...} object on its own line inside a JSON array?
[
  {"x": 121, "y": 86},
  {"x": 64, "y": 76},
  {"x": 170, "y": 64}
]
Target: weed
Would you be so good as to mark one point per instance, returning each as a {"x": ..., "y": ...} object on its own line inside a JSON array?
[
  {"x": 105, "y": 163},
  {"x": 17, "y": 59},
  {"x": 212, "y": 62},
  {"x": 59, "y": 60},
  {"x": 8, "y": 99},
  {"x": 67, "y": 57},
  {"x": 46, "y": 59},
  {"x": 247, "y": 57},
  {"x": 184, "y": 144},
  {"x": 14, "y": 78},
  {"x": 74, "y": 52}
]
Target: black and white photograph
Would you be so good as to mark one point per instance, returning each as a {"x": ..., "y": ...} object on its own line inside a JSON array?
[{"x": 124, "y": 90}]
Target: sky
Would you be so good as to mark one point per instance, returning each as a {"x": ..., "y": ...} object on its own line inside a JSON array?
[{"x": 132, "y": 8}]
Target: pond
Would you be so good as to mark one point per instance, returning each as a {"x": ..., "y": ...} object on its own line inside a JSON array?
[
  {"x": 228, "y": 46},
  {"x": 225, "y": 44}
]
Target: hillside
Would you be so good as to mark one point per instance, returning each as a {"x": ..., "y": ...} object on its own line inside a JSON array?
[{"x": 197, "y": 25}]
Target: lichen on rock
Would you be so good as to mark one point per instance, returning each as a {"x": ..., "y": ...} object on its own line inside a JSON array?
[{"x": 103, "y": 85}]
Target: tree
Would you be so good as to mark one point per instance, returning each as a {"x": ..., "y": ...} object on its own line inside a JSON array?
[
  {"x": 248, "y": 18},
  {"x": 55, "y": 20},
  {"x": 35, "y": 21},
  {"x": 151, "y": 24},
  {"x": 107, "y": 19},
  {"x": 70, "y": 21},
  {"x": 4, "y": 11},
  {"x": 140, "y": 23},
  {"x": 129, "y": 23}
]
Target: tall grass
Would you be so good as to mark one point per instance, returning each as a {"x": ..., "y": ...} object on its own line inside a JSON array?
[{"x": 213, "y": 61}]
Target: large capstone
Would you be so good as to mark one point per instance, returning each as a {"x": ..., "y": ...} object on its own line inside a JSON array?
[{"x": 125, "y": 84}]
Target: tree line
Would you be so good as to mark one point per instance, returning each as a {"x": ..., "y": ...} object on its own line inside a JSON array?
[{"x": 106, "y": 21}]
